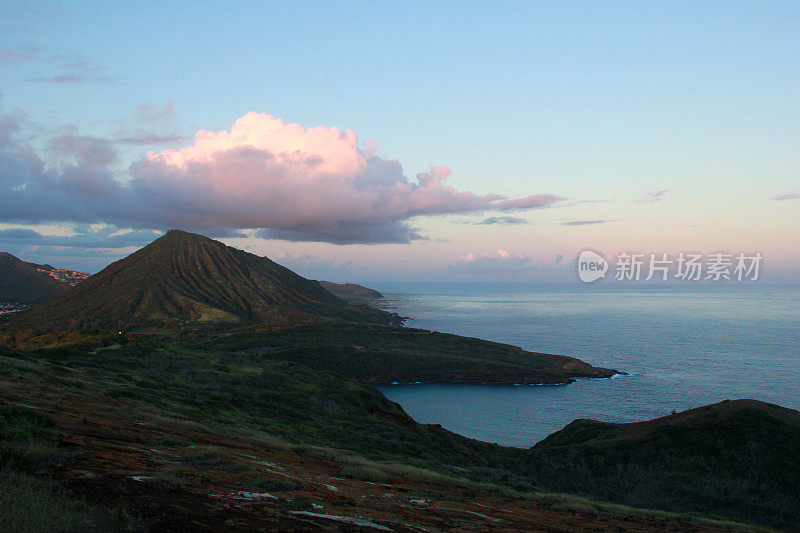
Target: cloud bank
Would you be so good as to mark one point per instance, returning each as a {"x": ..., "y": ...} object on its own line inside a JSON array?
[
  {"x": 501, "y": 221},
  {"x": 106, "y": 238},
  {"x": 500, "y": 260},
  {"x": 287, "y": 181}
]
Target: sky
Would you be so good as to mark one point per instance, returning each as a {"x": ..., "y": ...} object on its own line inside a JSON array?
[{"x": 402, "y": 141}]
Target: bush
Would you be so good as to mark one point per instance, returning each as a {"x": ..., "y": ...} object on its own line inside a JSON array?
[
  {"x": 28, "y": 440},
  {"x": 364, "y": 473},
  {"x": 31, "y": 504},
  {"x": 206, "y": 457}
]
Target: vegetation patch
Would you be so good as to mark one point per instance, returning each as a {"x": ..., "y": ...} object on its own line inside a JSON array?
[
  {"x": 28, "y": 440},
  {"x": 364, "y": 473}
]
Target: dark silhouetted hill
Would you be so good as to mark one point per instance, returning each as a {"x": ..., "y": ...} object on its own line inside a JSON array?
[
  {"x": 737, "y": 459},
  {"x": 29, "y": 283},
  {"x": 351, "y": 292}
]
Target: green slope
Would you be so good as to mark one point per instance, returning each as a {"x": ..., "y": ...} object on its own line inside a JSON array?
[
  {"x": 734, "y": 459},
  {"x": 384, "y": 354},
  {"x": 187, "y": 278}
]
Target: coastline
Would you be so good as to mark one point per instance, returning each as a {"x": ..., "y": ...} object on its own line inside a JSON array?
[
  {"x": 506, "y": 383},
  {"x": 500, "y": 380}
]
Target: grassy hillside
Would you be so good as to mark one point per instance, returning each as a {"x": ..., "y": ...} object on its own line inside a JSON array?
[
  {"x": 158, "y": 434},
  {"x": 351, "y": 292},
  {"x": 735, "y": 458},
  {"x": 281, "y": 398},
  {"x": 384, "y": 354},
  {"x": 185, "y": 278}
]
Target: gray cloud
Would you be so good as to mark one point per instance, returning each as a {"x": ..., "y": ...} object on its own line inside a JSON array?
[
  {"x": 13, "y": 56},
  {"x": 89, "y": 250},
  {"x": 501, "y": 221},
  {"x": 151, "y": 139},
  {"x": 10, "y": 126},
  {"x": 587, "y": 222},
  {"x": 654, "y": 196},
  {"x": 91, "y": 152},
  {"x": 104, "y": 238},
  {"x": 790, "y": 196},
  {"x": 150, "y": 125},
  {"x": 155, "y": 114},
  {"x": 528, "y": 202},
  {"x": 347, "y": 233},
  {"x": 74, "y": 72},
  {"x": 19, "y": 234},
  {"x": 224, "y": 233},
  {"x": 62, "y": 68}
]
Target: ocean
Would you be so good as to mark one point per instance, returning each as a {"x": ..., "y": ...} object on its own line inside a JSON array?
[{"x": 681, "y": 346}]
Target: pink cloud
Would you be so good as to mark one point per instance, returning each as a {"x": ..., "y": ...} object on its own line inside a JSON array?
[
  {"x": 500, "y": 253},
  {"x": 314, "y": 152},
  {"x": 500, "y": 260},
  {"x": 303, "y": 183},
  {"x": 289, "y": 182}
]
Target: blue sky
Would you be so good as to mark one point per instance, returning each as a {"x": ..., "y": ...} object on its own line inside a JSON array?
[{"x": 603, "y": 105}]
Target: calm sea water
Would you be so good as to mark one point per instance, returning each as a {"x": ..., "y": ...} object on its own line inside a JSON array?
[{"x": 682, "y": 346}]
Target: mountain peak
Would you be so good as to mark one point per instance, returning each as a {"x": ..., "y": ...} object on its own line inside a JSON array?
[
  {"x": 178, "y": 233},
  {"x": 184, "y": 277}
]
